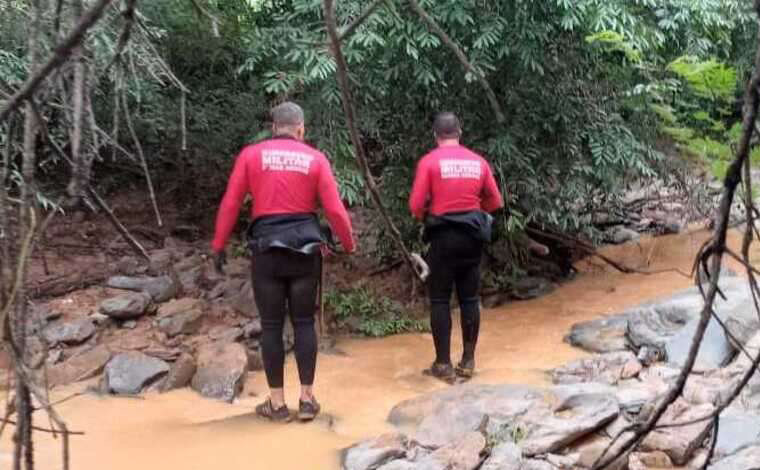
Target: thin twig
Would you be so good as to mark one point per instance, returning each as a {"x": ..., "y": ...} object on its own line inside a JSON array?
[
  {"x": 143, "y": 162},
  {"x": 349, "y": 30}
]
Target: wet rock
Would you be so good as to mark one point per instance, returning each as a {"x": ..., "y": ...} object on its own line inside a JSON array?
[
  {"x": 43, "y": 313},
  {"x": 607, "y": 368},
  {"x": 504, "y": 456},
  {"x": 590, "y": 449},
  {"x": 619, "y": 235},
  {"x": 165, "y": 354},
  {"x": 99, "y": 318},
  {"x": 647, "y": 460},
  {"x": 576, "y": 418},
  {"x": 373, "y": 453},
  {"x": 736, "y": 430},
  {"x": 125, "y": 306},
  {"x": 652, "y": 327},
  {"x": 221, "y": 371},
  {"x": 160, "y": 260},
  {"x": 531, "y": 287},
  {"x": 601, "y": 335},
  {"x": 464, "y": 454},
  {"x": 160, "y": 289},
  {"x": 74, "y": 331},
  {"x": 680, "y": 442},
  {"x": 180, "y": 373},
  {"x": 715, "y": 352},
  {"x": 81, "y": 367},
  {"x": 243, "y": 301},
  {"x": 446, "y": 415},
  {"x": 252, "y": 329},
  {"x": 130, "y": 373},
  {"x": 225, "y": 334},
  {"x": 745, "y": 459},
  {"x": 182, "y": 316}
]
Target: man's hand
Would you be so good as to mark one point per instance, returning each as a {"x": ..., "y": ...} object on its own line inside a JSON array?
[{"x": 220, "y": 259}]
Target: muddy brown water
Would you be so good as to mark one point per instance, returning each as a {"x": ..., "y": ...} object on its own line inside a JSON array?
[{"x": 519, "y": 343}]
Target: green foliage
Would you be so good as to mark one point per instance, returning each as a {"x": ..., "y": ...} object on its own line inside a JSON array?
[
  {"x": 708, "y": 79},
  {"x": 376, "y": 316}
]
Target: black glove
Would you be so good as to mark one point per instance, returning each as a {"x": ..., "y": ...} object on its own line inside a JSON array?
[{"x": 220, "y": 259}]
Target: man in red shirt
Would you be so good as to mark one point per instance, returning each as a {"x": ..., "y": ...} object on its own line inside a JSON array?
[
  {"x": 286, "y": 179},
  {"x": 454, "y": 190}
]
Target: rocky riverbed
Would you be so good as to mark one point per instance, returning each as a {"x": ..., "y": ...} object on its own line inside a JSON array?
[{"x": 567, "y": 426}]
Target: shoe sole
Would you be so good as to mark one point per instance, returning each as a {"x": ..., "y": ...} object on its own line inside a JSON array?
[{"x": 306, "y": 417}]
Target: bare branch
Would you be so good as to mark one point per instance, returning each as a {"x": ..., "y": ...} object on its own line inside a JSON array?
[
  {"x": 126, "y": 33},
  {"x": 459, "y": 53},
  {"x": 60, "y": 54},
  {"x": 143, "y": 162}
]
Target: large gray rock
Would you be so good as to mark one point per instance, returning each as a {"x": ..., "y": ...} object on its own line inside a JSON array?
[
  {"x": 180, "y": 374},
  {"x": 375, "y": 452},
  {"x": 574, "y": 419},
  {"x": 447, "y": 415},
  {"x": 590, "y": 449},
  {"x": 681, "y": 442},
  {"x": 716, "y": 350},
  {"x": 130, "y": 373},
  {"x": 542, "y": 420},
  {"x": 159, "y": 288},
  {"x": 745, "y": 459},
  {"x": 126, "y": 306},
  {"x": 81, "y": 367},
  {"x": 74, "y": 331},
  {"x": 607, "y": 368},
  {"x": 619, "y": 235},
  {"x": 601, "y": 335},
  {"x": 222, "y": 370},
  {"x": 504, "y": 456},
  {"x": 737, "y": 429},
  {"x": 182, "y": 316}
]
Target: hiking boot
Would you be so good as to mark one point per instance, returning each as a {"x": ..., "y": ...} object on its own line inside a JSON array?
[
  {"x": 466, "y": 368},
  {"x": 267, "y": 410},
  {"x": 444, "y": 372},
  {"x": 308, "y": 410}
]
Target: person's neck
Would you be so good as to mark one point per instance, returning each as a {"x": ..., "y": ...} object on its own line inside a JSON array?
[
  {"x": 285, "y": 135},
  {"x": 448, "y": 142}
]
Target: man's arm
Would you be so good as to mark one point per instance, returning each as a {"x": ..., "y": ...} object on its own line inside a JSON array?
[
  {"x": 491, "y": 198},
  {"x": 420, "y": 191},
  {"x": 334, "y": 209},
  {"x": 226, "y": 218}
]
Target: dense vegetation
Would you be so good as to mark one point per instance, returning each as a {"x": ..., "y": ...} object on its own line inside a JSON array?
[{"x": 588, "y": 87}]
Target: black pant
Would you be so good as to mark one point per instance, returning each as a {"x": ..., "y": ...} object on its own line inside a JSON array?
[
  {"x": 286, "y": 281},
  {"x": 454, "y": 260}
]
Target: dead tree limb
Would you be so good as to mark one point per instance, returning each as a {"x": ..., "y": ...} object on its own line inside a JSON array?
[
  {"x": 60, "y": 54},
  {"x": 350, "y": 111},
  {"x": 715, "y": 252},
  {"x": 126, "y": 34},
  {"x": 203, "y": 12},
  {"x": 462, "y": 57},
  {"x": 141, "y": 154}
]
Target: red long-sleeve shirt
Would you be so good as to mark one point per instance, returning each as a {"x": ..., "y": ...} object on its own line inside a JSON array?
[
  {"x": 283, "y": 176},
  {"x": 453, "y": 178}
]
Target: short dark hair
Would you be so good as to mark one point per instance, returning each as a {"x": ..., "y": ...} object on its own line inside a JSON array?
[
  {"x": 287, "y": 114},
  {"x": 447, "y": 124}
]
